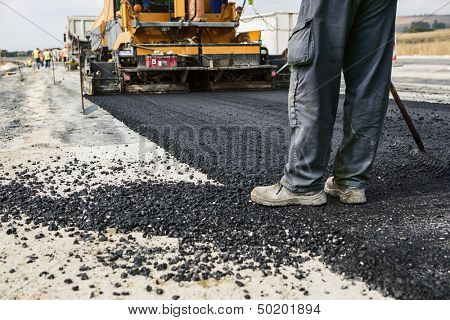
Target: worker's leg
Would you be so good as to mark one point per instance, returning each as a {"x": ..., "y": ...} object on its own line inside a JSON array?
[
  {"x": 367, "y": 70},
  {"x": 314, "y": 91}
]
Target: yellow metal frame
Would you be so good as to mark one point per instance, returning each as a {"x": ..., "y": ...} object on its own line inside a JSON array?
[
  {"x": 180, "y": 9},
  {"x": 255, "y": 35},
  {"x": 152, "y": 17},
  {"x": 193, "y": 50},
  {"x": 215, "y": 36},
  {"x": 230, "y": 49},
  {"x": 179, "y": 50}
]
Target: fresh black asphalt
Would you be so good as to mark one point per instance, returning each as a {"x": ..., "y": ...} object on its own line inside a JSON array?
[{"x": 398, "y": 242}]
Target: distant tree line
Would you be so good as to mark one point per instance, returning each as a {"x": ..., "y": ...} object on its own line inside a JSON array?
[
  {"x": 420, "y": 26},
  {"x": 14, "y": 54}
]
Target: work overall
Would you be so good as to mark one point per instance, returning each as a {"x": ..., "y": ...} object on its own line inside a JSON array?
[{"x": 356, "y": 36}]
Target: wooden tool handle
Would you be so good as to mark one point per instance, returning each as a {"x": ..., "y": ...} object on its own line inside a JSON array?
[{"x": 407, "y": 118}]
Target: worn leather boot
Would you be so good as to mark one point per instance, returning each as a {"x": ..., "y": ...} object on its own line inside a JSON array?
[
  {"x": 277, "y": 196},
  {"x": 345, "y": 194}
]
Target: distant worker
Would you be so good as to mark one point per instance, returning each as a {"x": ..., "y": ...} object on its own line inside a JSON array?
[
  {"x": 41, "y": 58},
  {"x": 64, "y": 54},
  {"x": 330, "y": 36},
  {"x": 36, "y": 57},
  {"x": 47, "y": 58},
  {"x": 216, "y": 5}
]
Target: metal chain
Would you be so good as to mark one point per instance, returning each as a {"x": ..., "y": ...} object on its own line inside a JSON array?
[{"x": 269, "y": 25}]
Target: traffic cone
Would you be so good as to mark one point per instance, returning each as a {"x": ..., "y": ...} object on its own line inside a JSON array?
[{"x": 395, "y": 62}]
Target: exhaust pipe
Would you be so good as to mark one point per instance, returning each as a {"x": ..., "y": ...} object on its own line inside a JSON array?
[{"x": 196, "y": 10}]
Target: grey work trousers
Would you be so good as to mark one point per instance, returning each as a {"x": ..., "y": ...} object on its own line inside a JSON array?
[{"x": 356, "y": 37}]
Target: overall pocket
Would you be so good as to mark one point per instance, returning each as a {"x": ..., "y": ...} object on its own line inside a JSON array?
[{"x": 301, "y": 44}]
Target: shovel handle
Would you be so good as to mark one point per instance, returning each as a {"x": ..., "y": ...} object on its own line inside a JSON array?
[{"x": 407, "y": 118}]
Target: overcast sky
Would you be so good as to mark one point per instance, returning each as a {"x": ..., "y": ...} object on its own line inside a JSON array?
[{"x": 18, "y": 34}]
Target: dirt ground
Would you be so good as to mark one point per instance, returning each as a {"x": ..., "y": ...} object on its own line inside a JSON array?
[{"x": 43, "y": 130}]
